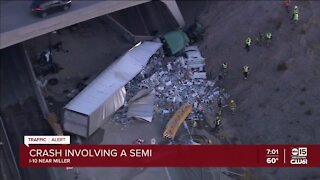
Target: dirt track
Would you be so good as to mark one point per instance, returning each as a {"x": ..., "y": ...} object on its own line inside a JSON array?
[{"x": 274, "y": 106}]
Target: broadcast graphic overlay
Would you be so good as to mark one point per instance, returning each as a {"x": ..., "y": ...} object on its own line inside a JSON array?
[{"x": 56, "y": 151}]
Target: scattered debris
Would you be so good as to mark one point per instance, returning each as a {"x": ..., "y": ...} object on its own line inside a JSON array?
[
  {"x": 45, "y": 69},
  {"x": 41, "y": 82},
  {"x": 139, "y": 141},
  {"x": 308, "y": 112},
  {"x": 45, "y": 57},
  {"x": 282, "y": 67},
  {"x": 191, "y": 48},
  {"x": 71, "y": 94},
  {"x": 176, "y": 120},
  {"x": 53, "y": 81},
  {"x": 141, "y": 105},
  {"x": 54, "y": 123},
  {"x": 199, "y": 75},
  {"x": 179, "y": 81},
  {"x": 58, "y": 47},
  {"x": 153, "y": 141}
]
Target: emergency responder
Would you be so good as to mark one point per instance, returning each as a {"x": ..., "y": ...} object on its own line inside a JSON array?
[
  {"x": 245, "y": 71},
  {"x": 233, "y": 106},
  {"x": 268, "y": 38},
  {"x": 268, "y": 35},
  {"x": 287, "y": 5},
  {"x": 296, "y": 10},
  {"x": 248, "y": 43},
  {"x": 218, "y": 122},
  {"x": 194, "y": 124},
  {"x": 295, "y": 14},
  {"x": 225, "y": 68}
]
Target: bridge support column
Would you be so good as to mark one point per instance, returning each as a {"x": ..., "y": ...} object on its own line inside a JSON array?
[{"x": 175, "y": 11}]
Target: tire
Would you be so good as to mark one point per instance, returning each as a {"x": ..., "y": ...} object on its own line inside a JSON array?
[
  {"x": 44, "y": 14},
  {"x": 66, "y": 7}
]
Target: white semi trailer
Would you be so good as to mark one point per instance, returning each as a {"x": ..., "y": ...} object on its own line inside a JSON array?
[{"x": 84, "y": 114}]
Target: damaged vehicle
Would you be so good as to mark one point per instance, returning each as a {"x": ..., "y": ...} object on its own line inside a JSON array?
[{"x": 175, "y": 41}]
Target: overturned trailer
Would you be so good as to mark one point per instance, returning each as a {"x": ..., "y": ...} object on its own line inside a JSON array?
[{"x": 84, "y": 114}]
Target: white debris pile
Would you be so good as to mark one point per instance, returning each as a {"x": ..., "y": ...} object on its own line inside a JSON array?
[{"x": 180, "y": 81}]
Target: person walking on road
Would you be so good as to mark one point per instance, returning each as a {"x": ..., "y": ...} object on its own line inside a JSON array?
[
  {"x": 295, "y": 14},
  {"x": 248, "y": 43},
  {"x": 245, "y": 71},
  {"x": 194, "y": 124},
  {"x": 232, "y": 106},
  {"x": 296, "y": 10},
  {"x": 224, "y": 68},
  {"x": 268, "y": 38},
  {"x": 218, "y": 122}
]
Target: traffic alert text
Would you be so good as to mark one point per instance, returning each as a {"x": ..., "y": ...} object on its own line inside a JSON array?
[
  {"x": 55, "y": 153},
  {"x": 29, "y": 140}
]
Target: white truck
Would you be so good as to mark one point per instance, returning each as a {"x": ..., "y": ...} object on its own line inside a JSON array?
[{"x": 84, "y": 114}]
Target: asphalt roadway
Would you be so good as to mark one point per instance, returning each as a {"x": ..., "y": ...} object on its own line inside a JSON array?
[
  {"x": 19, "y": 108},
  {"x": 16, "y": 14},
  {"x": 18, "y": 24},
  {"x": 7, "y": 168}
]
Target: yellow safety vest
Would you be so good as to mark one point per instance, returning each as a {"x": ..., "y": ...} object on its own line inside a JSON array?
[
  {"x": 295, "y": 16},
  {"x": 295, "y": 11},
  {"x": 245, "y": 68},
  {"x": 233, "y": 105},
  {"x": 248, "y": 41},
  {"x": 268, "y": 35},
  {"x": 225, "y": 65},
  {"x": 218, "y": 120},
  {"x": 194, "y": 124}
]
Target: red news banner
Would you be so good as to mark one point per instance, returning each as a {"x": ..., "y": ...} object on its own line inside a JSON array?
[{"x": 170, "y": 155}]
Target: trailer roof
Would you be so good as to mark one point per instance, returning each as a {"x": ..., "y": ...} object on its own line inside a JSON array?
[{"x": 113, "y": 78}]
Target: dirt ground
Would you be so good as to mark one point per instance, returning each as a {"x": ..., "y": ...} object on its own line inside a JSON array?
[{"x": 277, "y": 104}]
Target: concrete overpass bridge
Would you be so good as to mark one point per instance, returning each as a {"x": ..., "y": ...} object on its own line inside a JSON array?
[{"x": 18, "y": 25}]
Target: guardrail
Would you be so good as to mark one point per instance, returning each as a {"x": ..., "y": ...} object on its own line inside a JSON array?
[
  {"x": 40, "y": 98},
  {"x": 37, "y": 89}
]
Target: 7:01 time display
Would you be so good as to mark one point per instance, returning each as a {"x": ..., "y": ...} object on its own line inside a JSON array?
[{"x": 272, "y": 151}]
